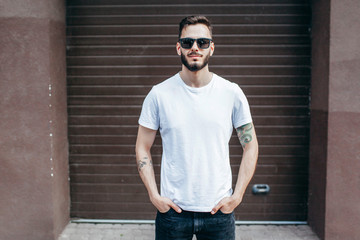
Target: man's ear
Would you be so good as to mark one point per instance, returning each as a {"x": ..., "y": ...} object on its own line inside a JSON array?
[
  {"x": 178, "y": 50},
  {"x": 212, "y": 48}
]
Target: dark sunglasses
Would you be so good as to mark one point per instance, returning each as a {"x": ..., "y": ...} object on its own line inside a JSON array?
[{"x": 202, "y": 43}]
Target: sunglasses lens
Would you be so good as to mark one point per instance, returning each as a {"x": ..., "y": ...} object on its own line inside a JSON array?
[
  {"x": 186, "y": 43},
  {"x": 203, "y": 43}
]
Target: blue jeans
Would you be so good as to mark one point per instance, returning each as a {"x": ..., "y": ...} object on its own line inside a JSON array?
[{"x": 182, "y": 226}]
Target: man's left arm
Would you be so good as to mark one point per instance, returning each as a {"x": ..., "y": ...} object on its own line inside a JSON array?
[{"x": 249, "y": 143}]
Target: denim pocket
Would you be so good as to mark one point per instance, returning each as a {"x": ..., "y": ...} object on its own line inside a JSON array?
[
  {"x": 168, "y": 211},
  {"x": 225, "y": 213}
]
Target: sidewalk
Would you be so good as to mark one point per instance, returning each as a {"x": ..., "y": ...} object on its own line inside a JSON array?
[{"x": 85, "y": 231}]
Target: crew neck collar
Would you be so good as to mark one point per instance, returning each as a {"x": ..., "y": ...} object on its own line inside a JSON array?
[{"x": 197, "y": 89}]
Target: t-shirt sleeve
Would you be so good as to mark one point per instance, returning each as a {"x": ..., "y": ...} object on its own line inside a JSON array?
[
  {"x": 149, "y": 116},
  {"x": 241, "y": 111}
]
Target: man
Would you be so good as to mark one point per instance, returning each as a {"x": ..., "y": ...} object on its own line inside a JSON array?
[{"x": 195, "y": 111}]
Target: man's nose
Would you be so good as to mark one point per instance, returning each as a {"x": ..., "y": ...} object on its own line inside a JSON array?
[{"x": 195, "y": 47}]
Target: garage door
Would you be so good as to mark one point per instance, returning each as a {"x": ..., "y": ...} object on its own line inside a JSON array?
[{"x": 117, "y": 50}]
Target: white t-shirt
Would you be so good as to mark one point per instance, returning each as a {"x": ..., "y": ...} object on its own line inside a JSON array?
[{"x": 195, "y": 126}]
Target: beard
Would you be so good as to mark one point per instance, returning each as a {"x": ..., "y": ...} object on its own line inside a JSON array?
[{"x": 194, "y": 66}]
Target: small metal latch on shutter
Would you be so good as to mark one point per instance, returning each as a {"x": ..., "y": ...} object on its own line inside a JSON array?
[{"x": 260, "y": 189}]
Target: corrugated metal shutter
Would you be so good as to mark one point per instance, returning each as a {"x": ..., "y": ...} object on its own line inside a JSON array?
[{"x": 117, "y": 50}]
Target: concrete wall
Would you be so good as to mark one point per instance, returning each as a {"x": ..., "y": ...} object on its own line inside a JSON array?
[
  {"x": 319, "y": 115},
  {"x": 343, "y": 184},
  {"x": 334, "y": 212},
  {"x": 34, "y": 189}
]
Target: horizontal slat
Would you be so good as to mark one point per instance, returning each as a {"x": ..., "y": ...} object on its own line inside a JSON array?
[
  {"x": 130, "y": 140},
  {"x": 161, "y": 50},
  {"x": 292, "y": 150},
  {"x": 166, "y": 19},
  {"x": 135, "y": 110},
  {"x": 151, "y": 215},
  {"x": 244, "y": 39},
  {"x": 149, "y": 81},
  {"x": 244, "y": 216},
  {"x": 138, "y": 100},
  {"x": 101, "y": 188},
  {"x": 125, "y": 130},
  {"x": 175, "y": 60},
  {"x": 147, "y": 207},
  {"x": 131, "y": 2},
  {"x": 130, "y": 158},
  {"x": 112, "y": 215},
  {"x": 143, "y": 90},
  {"x": 131, "y": 169},
  {"x": 180, "y": 9},
  {"x": 131, "y": 179},
  {"x": 140, "y": 198},
  {"x": 172, "y": 29},
  {"x": 153, "y": 70}
]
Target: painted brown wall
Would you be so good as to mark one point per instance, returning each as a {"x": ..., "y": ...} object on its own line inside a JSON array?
[
  {"x": 334, "y": 190},
  {"x": 34, "y": 192},
  {"x": 319, "y": 115},
  {"x": 343, "y": 191}
]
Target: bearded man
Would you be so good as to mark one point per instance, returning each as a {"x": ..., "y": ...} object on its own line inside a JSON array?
[{"x": 196, "y": 111}]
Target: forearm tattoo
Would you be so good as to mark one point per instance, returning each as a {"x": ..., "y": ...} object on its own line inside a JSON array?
[
  {"x": 244, "y": 134},
  {"x": 143, "y": 162}
]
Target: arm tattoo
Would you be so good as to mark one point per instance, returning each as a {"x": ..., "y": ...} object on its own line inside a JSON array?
[
  {"x": 244, "y": 134},
  {"x": 142, "y": 162}
]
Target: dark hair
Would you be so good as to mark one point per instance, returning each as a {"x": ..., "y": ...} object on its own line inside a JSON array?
[{"x": 191, "y": 20}]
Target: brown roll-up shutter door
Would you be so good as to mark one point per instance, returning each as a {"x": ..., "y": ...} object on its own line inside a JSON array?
[{"x": 117, "y": 50}]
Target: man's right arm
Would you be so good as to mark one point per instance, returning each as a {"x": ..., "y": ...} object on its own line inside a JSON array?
[{"x": 144, "y": 142}]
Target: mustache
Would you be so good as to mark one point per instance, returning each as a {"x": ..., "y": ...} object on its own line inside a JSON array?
[{"x": 194, "y": 54}]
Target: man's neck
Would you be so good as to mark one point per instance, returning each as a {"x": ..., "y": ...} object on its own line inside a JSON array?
[{"x": 196, "y": 79}]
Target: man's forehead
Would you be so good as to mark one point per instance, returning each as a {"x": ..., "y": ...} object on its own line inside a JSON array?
[{"x": 196, "y": 31}]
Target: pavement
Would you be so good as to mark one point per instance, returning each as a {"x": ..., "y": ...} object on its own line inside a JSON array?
[{"x": 89, "y": 231}]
